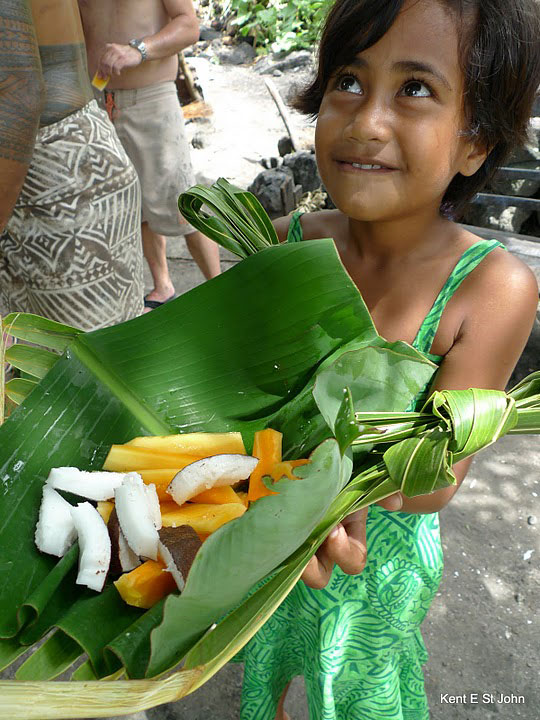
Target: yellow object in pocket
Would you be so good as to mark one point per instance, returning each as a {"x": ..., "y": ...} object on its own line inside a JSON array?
[{"x": 100, "y": 82}]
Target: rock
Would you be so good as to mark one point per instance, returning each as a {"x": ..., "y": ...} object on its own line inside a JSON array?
[
  {"x": 531, "y": 520},
  {"x": 285, "y": 145},
  {"x": 240, "y": 54},
  {"x": 198, "y": 141},
  {"x": 270, "y": 163},
  {"x": 276, "y": 191},
  {"x": 528, "y": 157},
  {"x": 509, "y": 219},
  {"x": 304, "y": 169},
  {"x": 208, "y": 33},
  {"x": 270, "y": 63}
]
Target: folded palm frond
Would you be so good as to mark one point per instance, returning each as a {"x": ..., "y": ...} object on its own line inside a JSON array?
[{"x": 281, "y": 340}]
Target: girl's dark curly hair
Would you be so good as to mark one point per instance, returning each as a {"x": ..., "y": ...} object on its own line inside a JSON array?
[{"x": 500, "y": 51}]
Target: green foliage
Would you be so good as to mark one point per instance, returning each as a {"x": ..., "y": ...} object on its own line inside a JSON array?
[{"x": 280, "y": 26}]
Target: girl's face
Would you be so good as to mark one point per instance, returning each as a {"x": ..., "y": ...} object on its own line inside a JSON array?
[{"x": 388, "y": 136}]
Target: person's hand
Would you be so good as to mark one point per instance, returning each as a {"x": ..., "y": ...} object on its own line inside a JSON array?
[
  {"x": 345, "y": 546},
  {"x": 116, "y": 58}
]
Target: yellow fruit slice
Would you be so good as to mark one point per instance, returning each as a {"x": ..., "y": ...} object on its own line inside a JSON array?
[
  {"x": 243, "y": 496},
  {"x": 286, "y": 468},
  {"x": 216, "y": 496},
  {"x": 161, "y": 478},
  {"x": 266, "y": 447},
  {"x": 203, "y": 518},
  {"x": 124, "y": 458},
  {"x": 198, "y": 443},
  {"x": 105, "y": 508},
  {"x": 145, "y": 585}
]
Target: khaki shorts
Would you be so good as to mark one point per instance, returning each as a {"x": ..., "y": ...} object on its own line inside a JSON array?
[
  {"x": 150, "y": 125},
  {"x": 72, "y": 247}
]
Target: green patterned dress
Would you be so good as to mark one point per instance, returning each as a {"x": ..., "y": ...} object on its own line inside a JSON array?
[{"x": 358, "y": 642}]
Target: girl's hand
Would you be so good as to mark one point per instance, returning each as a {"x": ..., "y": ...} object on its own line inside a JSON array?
[{"x": 345, "y": 546}]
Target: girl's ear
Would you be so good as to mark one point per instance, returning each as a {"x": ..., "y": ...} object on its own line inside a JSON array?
[{"x": 474, "y": 156}]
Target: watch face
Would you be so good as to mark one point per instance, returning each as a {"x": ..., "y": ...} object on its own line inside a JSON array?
[{"x": 140, "y": 46}]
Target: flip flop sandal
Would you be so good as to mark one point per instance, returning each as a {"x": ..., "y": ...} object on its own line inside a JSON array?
[{"x": 153, "y": 304}]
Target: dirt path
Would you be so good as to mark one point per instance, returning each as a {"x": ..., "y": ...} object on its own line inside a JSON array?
[{"x": 245, "y": 126}]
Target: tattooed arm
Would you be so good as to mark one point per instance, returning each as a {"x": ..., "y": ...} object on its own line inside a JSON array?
[{"x": 21, "y": 93}]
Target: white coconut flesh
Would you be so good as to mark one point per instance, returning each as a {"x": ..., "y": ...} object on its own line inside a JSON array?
[
  {"x": 136, "y": 516},
  {"x": 55, "y": 529},
  {"x": 128, "y": 559},
  {"x": 210, "y": 472},
  {"x": 99, "y": 485},
  {"x": 94, "y": 546},
  {"x": 167, "y": 558},
  {"x": 153, "y": 503}
]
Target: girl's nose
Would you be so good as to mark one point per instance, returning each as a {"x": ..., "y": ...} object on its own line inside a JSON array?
[{"x": 370, "y": 122}]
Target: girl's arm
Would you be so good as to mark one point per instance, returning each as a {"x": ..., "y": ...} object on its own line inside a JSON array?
[{"x": 499, "y": 307}]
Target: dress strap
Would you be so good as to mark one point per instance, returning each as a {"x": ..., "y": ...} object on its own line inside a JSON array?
[
  {"x": 295, "y": 228},
  {"x": 470, "y": 259}
]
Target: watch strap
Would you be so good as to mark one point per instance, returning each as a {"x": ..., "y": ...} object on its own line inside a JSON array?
[{"x": 140, "y": 45}]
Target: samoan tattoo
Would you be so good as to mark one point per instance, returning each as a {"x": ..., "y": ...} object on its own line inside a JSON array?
[
  {"x": 20, "y": 81},
  {"x": 67, "y": 87}
]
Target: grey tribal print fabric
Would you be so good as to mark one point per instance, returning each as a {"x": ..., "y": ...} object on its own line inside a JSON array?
[{"x": 72, "y": 248}]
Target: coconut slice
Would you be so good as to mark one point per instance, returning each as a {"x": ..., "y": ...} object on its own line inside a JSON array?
[
  {"x": 94, "y": 546},
  {"x": 136, "y": 516},
  {"x": 153, "y": 503},
  {"x": 123, "y": 559},
  {"x": 55, "y": 530},
  {"x": 177, "y": 549},
  {"x": 213, "y": 471},
  {"x": 91, "y": 485}
]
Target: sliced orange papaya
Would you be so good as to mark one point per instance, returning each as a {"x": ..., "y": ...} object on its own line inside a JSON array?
[
  {"x": 267, "y": 448},
  {"x": 125, "y": 458},
  {"x": 200, "y": 444},
  {"x": 216, "y": 496},
  {"x": 145, "y": 585},
  {"x": 203, "y": 518}
]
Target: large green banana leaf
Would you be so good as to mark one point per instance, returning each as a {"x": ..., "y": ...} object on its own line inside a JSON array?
[{"x": 215, "y": 359}]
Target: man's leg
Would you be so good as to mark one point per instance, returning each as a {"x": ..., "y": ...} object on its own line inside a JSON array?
[
  {"x": 155, "y": 253},
  {"x": 205, "y": 252}
]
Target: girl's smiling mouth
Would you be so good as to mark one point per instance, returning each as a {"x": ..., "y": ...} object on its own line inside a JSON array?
[{"x": 363, "y": 165}]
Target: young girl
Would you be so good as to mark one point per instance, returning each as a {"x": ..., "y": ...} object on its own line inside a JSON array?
[{"x": 417, "y": 103}]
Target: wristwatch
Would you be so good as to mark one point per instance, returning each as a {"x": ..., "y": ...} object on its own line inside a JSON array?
[{"x": 139, "y": 45}]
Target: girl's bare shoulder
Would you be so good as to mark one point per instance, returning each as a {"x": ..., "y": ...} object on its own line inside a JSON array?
[
  {"x": 501, "y": 276},
  {"x": 319, "y": 224}
]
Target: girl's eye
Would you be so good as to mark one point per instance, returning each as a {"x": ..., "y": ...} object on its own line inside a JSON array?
[
  {"x": 348, "y": 83},
  {"x": 416, "y": 88}
]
